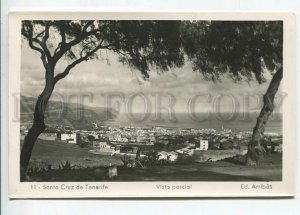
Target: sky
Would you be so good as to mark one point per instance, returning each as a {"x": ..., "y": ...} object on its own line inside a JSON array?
[{"x": 96, "y": 79}]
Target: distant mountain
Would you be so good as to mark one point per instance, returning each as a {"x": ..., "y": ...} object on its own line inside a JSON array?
[{"x": 67, "y": 114}]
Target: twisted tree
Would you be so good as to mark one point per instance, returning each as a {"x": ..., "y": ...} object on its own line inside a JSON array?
[
  {"x": 245, "y": 50},
  {"x": 139, "y": 44}
]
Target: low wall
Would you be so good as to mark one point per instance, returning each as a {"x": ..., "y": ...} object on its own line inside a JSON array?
[
  {"x": 47, "y": 137},
  {"x": 215, "y": 155}
]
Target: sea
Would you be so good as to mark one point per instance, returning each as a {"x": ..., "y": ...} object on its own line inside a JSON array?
[{"x": 237, "y": 122}]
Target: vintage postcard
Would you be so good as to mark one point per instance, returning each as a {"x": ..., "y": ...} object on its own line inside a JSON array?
[{"x": 110, "y": 105}]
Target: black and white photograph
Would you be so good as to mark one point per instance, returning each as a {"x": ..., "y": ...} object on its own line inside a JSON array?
[{"x": 186, "y": 100}]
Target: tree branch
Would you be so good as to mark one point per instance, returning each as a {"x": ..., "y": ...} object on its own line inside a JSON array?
[
  {"x": 43, "y": 49},
  {"x": 67, "y": 46},
  {"x": 116, "y": 50},
  {"x": 61, "y": 28},
  {"x": 74, "y": 63},
  {"x": 43, "y": 56},
  {"x": 37, "y": 36},
  {"x": 29, "y": 35},
  {"x": 44, "y": 41}
]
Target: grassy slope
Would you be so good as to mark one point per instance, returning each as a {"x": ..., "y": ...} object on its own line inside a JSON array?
[
  {"x": 269, "y": 170},
  {"x": 56, "y": 152}
]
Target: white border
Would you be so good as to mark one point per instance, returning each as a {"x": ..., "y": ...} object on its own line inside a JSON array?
[{"x": 147, "y": 189}]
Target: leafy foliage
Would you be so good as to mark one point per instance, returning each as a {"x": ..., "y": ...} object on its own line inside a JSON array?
[
  {"x": 240, "y": 48},
  {"x": 140, "y": 44}
]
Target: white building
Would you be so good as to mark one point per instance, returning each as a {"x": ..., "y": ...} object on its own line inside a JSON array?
[
  {"x": 70, "y": 138},
  {"x": 104, "y": 148},
  {"x": 173, "y": 156},
  {"x": 162, "y": 155},
  {"x": 272, "y": 134},
  {"x": 102, "y": 145},
  {"x": 278, "y": 148},
  {"x": 203, "y": 145}
]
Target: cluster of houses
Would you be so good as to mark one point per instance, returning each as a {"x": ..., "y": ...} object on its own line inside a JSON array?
[
  {"x": 126, "y": 140},
  {"x": 188, "y": 150},
  {"x": 105, "y": 148}
]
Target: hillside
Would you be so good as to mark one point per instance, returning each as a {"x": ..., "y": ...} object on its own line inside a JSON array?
[{"x": 67, "y": 114}]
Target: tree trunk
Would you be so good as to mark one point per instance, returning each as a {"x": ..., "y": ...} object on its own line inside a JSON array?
[
  {"x": 38, "y": 126},
  {"x": 255, "y": 149}
]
